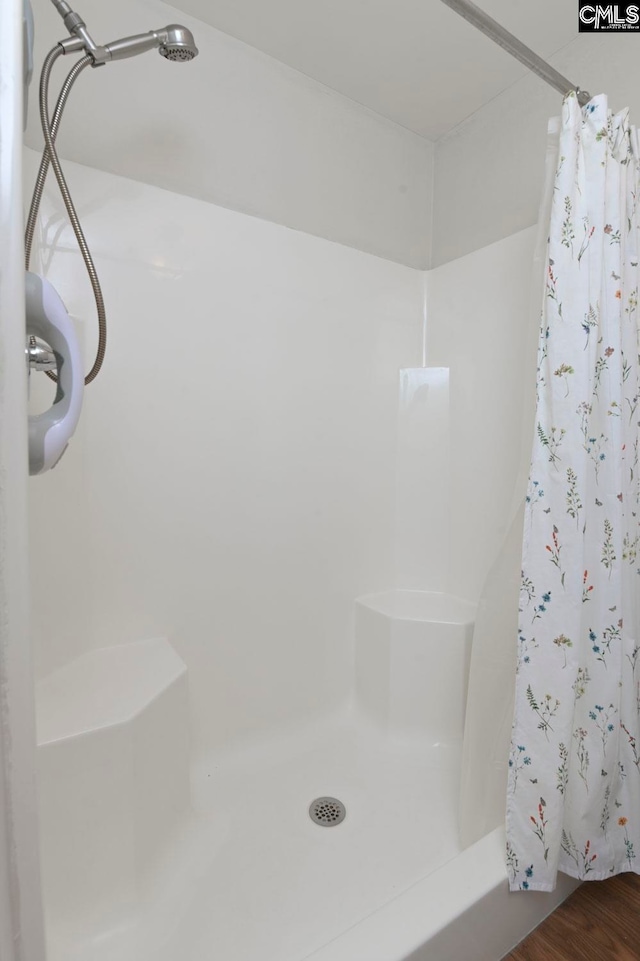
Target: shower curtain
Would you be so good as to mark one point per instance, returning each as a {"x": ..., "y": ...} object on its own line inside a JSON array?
[{"x": 574, "y": 767}]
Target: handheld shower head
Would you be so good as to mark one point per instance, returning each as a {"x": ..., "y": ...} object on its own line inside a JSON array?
[
  {"x": 177, "y": 43},
  {"x": 174, "y": 42}
]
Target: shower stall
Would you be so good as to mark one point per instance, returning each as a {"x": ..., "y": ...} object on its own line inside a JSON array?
[{"x": 256, "y": 575}]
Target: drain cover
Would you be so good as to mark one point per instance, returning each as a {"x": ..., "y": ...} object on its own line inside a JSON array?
[{"x": 327, "y": 811}]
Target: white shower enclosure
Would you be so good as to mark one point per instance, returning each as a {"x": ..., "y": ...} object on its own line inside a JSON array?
[{"x": 255, "y": 572}]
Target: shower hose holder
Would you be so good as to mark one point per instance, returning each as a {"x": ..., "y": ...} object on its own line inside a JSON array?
[{"x": 48, "y": 321}]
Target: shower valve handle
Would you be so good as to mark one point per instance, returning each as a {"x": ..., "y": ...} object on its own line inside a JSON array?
[{"x": 39, "y": 357}]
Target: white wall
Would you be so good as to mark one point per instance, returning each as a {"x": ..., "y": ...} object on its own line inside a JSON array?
[
  {"x": 240, "y": 129},
  {"x": 489, "y": 172},
  {"x": 233, "y": 483},
  {"x": 422, "y": 479},
  {"x": 482, "y": 326}
]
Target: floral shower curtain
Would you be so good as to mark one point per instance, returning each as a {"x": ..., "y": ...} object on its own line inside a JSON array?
[{"x": 574, "y": 768}]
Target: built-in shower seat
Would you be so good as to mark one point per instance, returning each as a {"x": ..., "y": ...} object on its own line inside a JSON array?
[{"x": 113, "y": 766}]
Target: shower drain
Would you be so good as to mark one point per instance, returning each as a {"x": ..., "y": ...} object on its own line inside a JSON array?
[{"x": 327, "y": 811}]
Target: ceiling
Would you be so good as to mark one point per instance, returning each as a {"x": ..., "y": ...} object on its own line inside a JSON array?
[{"x": 415, "y": 62}]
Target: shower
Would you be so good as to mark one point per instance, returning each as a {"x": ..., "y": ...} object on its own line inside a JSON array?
[
  {"x": 174, "y": 42},
  {"x": 262, "y": 581}
]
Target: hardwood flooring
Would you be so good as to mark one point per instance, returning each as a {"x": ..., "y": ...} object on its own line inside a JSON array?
[{"x": 599, "y": 922}]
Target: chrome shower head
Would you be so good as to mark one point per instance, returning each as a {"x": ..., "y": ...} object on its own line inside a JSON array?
[
  {"x": 177, "y": 43},
  {"x": 174, "y": 42}
]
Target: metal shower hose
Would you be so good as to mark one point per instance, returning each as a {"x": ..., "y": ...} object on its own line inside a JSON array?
[{"x": 50, "y": 156}]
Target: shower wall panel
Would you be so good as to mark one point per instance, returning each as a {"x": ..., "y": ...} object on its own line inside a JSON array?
[
  {"x": 240, "y": 129},
  {"x": 232, "y": 487},
  {"x": 483, "y": 325}
]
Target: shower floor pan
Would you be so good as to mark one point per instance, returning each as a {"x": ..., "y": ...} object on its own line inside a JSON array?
[
  {"x": 251, "y": 878},
  {"x": 236, "y": 869}
]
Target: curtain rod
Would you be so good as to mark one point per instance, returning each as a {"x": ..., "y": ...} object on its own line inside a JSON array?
[{"x": 496, "y": 32}]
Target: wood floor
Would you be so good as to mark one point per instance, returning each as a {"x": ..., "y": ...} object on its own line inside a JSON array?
[{"x": 599, "y": 922}]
